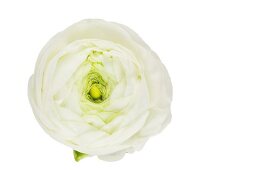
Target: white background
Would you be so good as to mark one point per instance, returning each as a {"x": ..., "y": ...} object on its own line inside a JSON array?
[{"x": 208, "y": 47}]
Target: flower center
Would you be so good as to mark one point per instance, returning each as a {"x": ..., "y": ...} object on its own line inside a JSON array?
[
  {"x": 96, "y": 89},
  {"x": 95, "y": 92}
]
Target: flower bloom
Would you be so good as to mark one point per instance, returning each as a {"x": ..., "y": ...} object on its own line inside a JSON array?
[{"x": 99, "y": 89}]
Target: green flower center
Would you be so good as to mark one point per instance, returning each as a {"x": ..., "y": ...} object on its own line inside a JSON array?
[
  {"x": 95, "y": 92},
  {"x": 97, "y": 84},
  {"x": 96, "y": 89}
]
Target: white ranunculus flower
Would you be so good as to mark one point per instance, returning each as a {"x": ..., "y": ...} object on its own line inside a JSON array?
[{"x": 99, "y": 89}]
